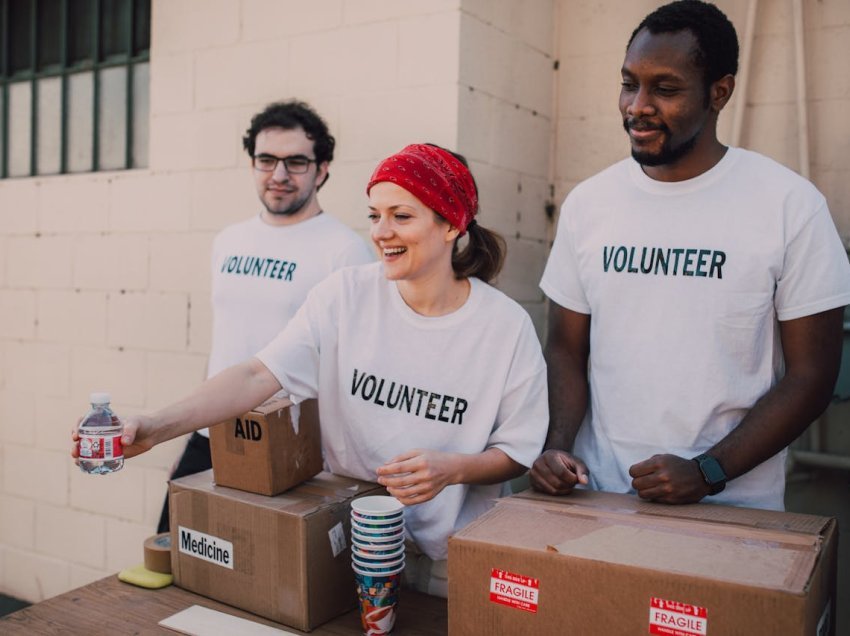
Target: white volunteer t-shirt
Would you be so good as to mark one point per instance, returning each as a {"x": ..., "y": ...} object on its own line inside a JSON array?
[
  {"x": 390, "y": 380},
  {"x": 261, "y": 275},
  {"x": 685, "y": 283}
]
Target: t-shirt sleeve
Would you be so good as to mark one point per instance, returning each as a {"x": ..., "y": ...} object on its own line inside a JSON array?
[
  {"x": 561, "y": 281},
  {"x": 355, "y": 253},
  {"x": 523, "y": 416},
  {"x": 815, "y": 275},
  {"x": 293, "y": 355}
]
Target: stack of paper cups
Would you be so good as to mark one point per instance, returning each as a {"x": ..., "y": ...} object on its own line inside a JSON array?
[{"x": 377, "y": 556}]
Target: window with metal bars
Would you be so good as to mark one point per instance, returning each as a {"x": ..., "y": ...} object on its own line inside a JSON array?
[{"x": 74, "y": 86}]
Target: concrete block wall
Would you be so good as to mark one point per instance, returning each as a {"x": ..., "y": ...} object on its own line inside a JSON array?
[
  {"x": 592, "y": 35},
  {"x": 104, "y": 278},
  {"x": 70, "y": 253},
  {"x": 505, "y": 124},
  {"x": 770, "y": 123},
  {"x": 85, "y": 304}
]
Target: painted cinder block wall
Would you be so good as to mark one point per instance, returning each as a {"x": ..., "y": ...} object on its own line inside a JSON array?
[
  {"x": 590, "y": 43},
  {"x": 104, "y": 277}
]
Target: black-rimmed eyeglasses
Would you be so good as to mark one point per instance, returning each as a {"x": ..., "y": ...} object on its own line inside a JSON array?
[{"x": 294, "y": 164}]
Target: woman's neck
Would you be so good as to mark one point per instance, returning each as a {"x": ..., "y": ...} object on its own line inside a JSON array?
[{"x": 435, "y": 296}]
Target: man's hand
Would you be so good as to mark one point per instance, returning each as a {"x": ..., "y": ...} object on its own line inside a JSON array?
[
  {"x": 557, "y": 472},
  {"x": 418, "y": 475},
  {"x": 669, "y": 479}
]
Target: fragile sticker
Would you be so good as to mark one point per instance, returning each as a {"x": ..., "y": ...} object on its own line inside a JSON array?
[
  {"x": 514, "y": 590},
  {"x": 671, "y": 618}
]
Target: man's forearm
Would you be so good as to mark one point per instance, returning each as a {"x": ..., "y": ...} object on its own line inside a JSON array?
[
  {"x": 568, "y": 395},
  {"x": 567, "y": 352},
  {"x": 812, "y": 347},
  {"x": 775, "y": 421}
]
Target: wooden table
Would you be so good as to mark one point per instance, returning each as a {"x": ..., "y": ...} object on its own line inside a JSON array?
[{"x": 109, "y": 606}]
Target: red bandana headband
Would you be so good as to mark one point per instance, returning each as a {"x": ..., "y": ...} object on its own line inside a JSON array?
[{"x": 435, "y": 177}]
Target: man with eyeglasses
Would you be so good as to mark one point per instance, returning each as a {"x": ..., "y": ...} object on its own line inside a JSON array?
[{"x": 263, "y": 267}]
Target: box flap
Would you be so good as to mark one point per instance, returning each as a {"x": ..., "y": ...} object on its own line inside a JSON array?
[
  {"x": 271, "y": 405},
  {"x": 722, "y": 558},
  {"x": 624, "y": 504},
  {"x": 622, "y": 530},
  {"x": 314, "y": 494}
]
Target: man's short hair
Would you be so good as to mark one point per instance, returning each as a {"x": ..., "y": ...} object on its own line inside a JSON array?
[
  {"x": 290, "y": 115},
  {"x": 717, "y": 42}
]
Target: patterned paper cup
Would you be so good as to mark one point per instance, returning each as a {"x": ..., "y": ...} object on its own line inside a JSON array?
[
  {"x": 379, "y": 561},
  {"x": 377, "y": 521},
  {"x": 377, "y": 506},
  {"x": 365, "y": 542},
  {"x": 372, "y": 539},
  {"x": 378, "y": 554},
  {"x": 378, "y": 596},
  {"x": 387, "y": 532},
  {"x": 358, "y": 570},
  {"x": 362, "y": 538},
  {"x": 380, "y": 567},
  {"x": 379, "y": 525}
]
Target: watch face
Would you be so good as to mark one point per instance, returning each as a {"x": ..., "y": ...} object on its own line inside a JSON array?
[{"x": 712, "y": 472}]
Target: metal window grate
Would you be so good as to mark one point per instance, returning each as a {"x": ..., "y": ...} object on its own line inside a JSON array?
[{"x": 73, "y": 85}]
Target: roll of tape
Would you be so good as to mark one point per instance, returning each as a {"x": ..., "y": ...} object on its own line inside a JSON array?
[{"x": 158, "y": 553}]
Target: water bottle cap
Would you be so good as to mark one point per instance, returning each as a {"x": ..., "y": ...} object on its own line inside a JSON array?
[{"x": 100, "y": 397}]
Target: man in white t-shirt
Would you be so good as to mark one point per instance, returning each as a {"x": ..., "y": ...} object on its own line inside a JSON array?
[
  {"x": 696, "y": 293},
  {"x": 263, "y": 267}
]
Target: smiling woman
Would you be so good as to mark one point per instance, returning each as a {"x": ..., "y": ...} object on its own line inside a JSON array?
[
  {"x": 429, "y": 380},
  {"x": 422, "y": 201}
]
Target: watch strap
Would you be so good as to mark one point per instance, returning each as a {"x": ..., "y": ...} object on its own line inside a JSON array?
[{"x": 712, "y": 472}]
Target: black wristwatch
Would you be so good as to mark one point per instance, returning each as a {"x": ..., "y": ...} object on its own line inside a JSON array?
[{"x": 712, "y": 473}]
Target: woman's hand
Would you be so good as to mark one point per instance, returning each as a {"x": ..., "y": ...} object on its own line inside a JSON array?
[
  {"x": 75, "y": 441},
  {"x": 135, "y": 440},
  {"x": 419, "y": 475},
  {"x": 137, "y": 437}
]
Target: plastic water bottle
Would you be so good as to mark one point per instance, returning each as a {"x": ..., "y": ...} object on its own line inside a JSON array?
[{"x": 100, "y": 438}]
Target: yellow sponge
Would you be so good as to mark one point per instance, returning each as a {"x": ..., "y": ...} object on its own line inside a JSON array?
[{"x": 141, "y": 576}]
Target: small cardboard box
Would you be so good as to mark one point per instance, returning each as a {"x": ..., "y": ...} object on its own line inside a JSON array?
[
  {"x": 601, "y": 563},
  {"x": 286, "y": 558},
  {"x": 270, "y": 449}
]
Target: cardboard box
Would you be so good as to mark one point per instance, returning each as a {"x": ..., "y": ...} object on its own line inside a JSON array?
[
  {"x": 601, "y": 563},
  {"x": 286, "y": 558},
  {"x": 270, "y": 449}
]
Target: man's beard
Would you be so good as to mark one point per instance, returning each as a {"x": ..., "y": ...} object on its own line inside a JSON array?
[
  {"x": 668, "y": 154},
  {"x": 291, "y": 210}
]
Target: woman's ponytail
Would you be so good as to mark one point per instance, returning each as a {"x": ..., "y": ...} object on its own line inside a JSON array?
[
  {"x": 482, "y": 256},
  {"x": 484, "y": 252}
]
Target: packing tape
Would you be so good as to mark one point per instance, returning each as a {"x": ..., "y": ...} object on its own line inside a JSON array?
[{"x": 158, "y": 553}]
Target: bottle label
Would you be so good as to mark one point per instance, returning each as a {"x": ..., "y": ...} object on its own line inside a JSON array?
[{"x": 101, "y": 447}]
